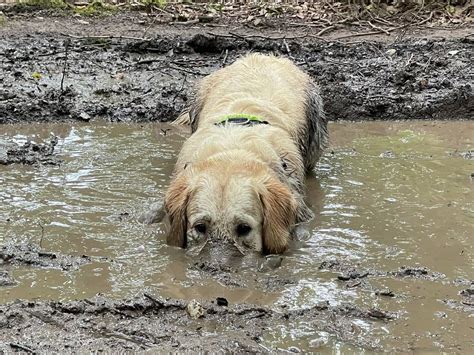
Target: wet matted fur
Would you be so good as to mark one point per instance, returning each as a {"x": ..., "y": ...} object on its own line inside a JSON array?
[{"x": 245, "y": 184}]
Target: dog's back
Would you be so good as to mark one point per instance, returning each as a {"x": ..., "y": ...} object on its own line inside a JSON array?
[{"x": 269, "y": 87}]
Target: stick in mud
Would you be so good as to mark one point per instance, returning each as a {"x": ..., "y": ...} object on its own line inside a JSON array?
[
  {"x": 66, "y": 45},
  {"x": 42, "y": 235}
]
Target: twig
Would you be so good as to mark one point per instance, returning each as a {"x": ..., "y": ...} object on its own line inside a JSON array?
[
  {"x": 180, "y": 90},
  {"x": 66, "y": 44},
  {"x": 133, "y": 338},
  {"x": 105, "y": 37},
  {"x": 185, "y": 23},
  {"x": 288, "y": 51},
  {"x": 236, "y": 35},
  {"x": 324, "y": 30},
  {"x": 189, "y": 71},
  {"x": 426, "y": 19},
  {"x": 378, "y": 28},
  {"x": 42, "y": 235},
  {"x": 381, "y": 30},
  {"x": 148, "y": 61},
  {"x": 409, "y": 60},
  {"x": 307, "y": 35},
  {"x": 226, "y": 53},
  {"x": 370, "y": 33},
  {"x": 21, "y": 347},
  {"x": 148, "y": 27},
  {"x": 161, "y": 10},
  {"x": 153, "y": 299}
]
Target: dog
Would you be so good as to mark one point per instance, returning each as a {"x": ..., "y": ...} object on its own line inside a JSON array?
[{"x": 258, "y": 126}]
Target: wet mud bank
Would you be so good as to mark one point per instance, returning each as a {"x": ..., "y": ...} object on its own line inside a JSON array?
[
  {"x": 51, "y": 74},
  {"x": 149, "y": 322},
  {"x": 29, "y": 153}
]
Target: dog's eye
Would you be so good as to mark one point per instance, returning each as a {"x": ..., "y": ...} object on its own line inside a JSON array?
[
  {"x": 243, "y": 229},
  {"x": 200, "y": 228}
]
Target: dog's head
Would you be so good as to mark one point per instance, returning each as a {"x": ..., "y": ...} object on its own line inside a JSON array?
[{"x": 242, "y": 204}]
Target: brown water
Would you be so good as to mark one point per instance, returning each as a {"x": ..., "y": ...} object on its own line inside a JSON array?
[{"x": 385, "y": 195}]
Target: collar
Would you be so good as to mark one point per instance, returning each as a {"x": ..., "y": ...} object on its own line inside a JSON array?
[{"x": 242, "y": 119}]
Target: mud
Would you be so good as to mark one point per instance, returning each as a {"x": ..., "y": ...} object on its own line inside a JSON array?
[
  {"x": 6, "y": 279},
  {"x": 153, "y": 323},
  {"x": 349, "y": 271},
  {"x": 33, "y": 255},
  {"x": 386, "y": 265},
  {"x": 50, "y": 76},
  {"x": 29, "y": 153}
]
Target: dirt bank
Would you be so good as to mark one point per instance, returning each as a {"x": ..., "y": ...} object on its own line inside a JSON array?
[
  {"x": 149, "y": 322},
  {"x": 62, "y": 68}
]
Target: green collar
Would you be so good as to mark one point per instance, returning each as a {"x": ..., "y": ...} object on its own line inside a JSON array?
[{"x": 243, "y": 119}]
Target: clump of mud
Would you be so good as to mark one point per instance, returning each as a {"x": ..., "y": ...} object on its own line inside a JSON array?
[
  {"x": 29, "y": 153},
  {"x": 6, "y": 279},
  {"x": 466, "y": 301},
  {"x": 350, "y": 271},
  {"x": 352, "y": 275},
  {"x": 30, "y": 254}
]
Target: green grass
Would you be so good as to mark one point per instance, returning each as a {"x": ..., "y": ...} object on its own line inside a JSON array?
[
  {"x": 44, "y": 4},
  {"x": 158, "y": 3},
  {"x": 96, "y": 8}
]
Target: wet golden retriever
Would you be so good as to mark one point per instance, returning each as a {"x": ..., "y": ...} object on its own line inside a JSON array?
[{"x": 257, "y": 128}]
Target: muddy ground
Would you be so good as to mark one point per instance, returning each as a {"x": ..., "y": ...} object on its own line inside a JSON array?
[
  {"x": 55, "y": 69},
  {"x": 58, "y": 69},
  {"x": 150, "y": 322}
]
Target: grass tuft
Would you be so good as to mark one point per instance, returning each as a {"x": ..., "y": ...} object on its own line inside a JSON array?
[{"x": 96, "y": 8}]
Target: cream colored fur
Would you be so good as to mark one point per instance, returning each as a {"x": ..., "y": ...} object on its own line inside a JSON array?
[{"x": 232, "y": 175}]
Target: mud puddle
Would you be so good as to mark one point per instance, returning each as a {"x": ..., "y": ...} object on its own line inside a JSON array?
[{"x": 386, "y": 264}]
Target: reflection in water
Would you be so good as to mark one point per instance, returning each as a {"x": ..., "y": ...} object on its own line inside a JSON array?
[{"x": 384, "y": 195}]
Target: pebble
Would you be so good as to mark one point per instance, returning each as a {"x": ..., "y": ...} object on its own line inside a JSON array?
[
  {"x": 84, "y": 116},
  {"x": 195, "y": 310}
]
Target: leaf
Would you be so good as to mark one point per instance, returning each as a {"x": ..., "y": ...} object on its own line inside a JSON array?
[{"x": 36, "y": 75}]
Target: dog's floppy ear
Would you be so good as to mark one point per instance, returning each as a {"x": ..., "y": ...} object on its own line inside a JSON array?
[
  {"x": 176, "y": 202},
  {"x": 279, "y": 214}
]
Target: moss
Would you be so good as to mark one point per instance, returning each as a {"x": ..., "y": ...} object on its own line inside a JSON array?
[
  {"x": 96, "y": 8},
  {"x": 158, "y": 3},
  {"x": 44, "y": 4}
]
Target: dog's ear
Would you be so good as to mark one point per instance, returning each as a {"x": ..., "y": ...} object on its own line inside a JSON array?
[
  {"x": 279, "y": 214},
  {"x": 176, "y": 202}
]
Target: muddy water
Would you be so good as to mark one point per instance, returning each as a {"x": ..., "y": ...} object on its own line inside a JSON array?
[{"x": 386, "y": 196}]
